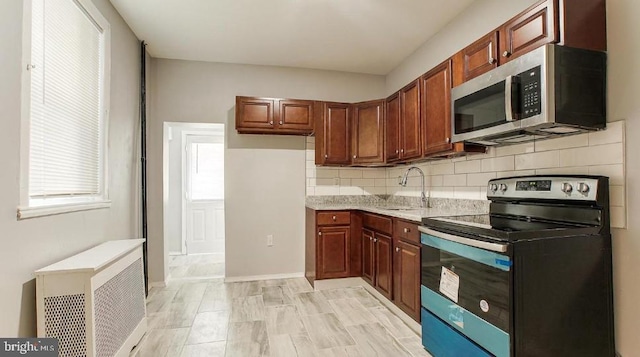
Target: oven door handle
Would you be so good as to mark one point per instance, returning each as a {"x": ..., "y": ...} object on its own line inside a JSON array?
[{"x": 495, "y": 247}]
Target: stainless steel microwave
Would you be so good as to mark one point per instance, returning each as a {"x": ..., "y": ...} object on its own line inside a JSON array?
[{"x": 551, "y": 91}]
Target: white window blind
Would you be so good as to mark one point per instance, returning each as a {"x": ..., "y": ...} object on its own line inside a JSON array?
[{"x": 66, "y": 116}]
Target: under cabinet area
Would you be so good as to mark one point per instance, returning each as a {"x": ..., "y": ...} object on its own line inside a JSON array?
[{"x": 383, "y": 250}]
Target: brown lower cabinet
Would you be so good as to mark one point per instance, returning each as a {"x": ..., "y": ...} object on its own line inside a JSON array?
[
  {"x": 406, "y": 277},
  {"x": 377, "y": 247},
  {"x": 377, "y": 268},
  {"x": 328, "y": 245},
  {"x": 382, "y": 250}
]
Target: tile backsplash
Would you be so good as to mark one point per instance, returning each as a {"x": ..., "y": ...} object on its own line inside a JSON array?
[{"x": 595, "y": 153}]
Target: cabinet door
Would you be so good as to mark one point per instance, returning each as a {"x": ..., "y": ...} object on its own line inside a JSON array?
[
  {"x": 533, "y": 28},
  {"x": 368, "y": 256},
  {"x": 392, "y": 131},
  {"x": 436, "y": 109},
  {"x": 337, "y": 138},
  {"x": 254, "y": 114},
  {"x": 333, "y": 252},
  {"x": 406, "y": 278},
  {"x": 410, "y": 121},
  {"x": 383, "y": 265},
  {"x": 480, "y": 57},
  {"x": 368, "y": 133},
  {"x": 296, "y": 116}
]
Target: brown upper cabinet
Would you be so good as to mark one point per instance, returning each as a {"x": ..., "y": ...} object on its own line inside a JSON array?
[
  {"x": 403, "y": 124},
  {"x": 436, "y": 109},
  {"x": 536, "y": 26},
  {"x": 367, "y": 133},
  {"x": 435, "y": 87},
  {"x": 333, "y": 133},
  {"x": 480, "y": 57},
  {"x": 274, "y": 116},
  {"x": 410, "y": 121},
  {"x": 392, "y": 130},
  {"x": 574, "y": 23}
]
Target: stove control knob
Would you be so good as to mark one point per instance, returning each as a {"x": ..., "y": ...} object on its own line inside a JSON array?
[
  {"x": 567, "y": 188},
  {"x": 493, "y": 187},
  {"x": 583, "y": 188},
  {"x": 503, "y": 187}
]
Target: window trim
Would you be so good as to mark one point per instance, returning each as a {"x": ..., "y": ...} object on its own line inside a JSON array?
[{"x": 72, "y": 204}]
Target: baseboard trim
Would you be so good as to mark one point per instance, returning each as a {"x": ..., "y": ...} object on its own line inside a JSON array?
[
  {"x": 235, "y": 279},
  {"x": 355, "y": 282},
  {"x": 160, "y": 284}
]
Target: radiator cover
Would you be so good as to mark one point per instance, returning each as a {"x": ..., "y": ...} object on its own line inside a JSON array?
[{"x": 94, "y": 302}]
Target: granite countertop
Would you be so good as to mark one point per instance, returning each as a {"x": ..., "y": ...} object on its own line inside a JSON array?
[{"x": 406, "y": 209}]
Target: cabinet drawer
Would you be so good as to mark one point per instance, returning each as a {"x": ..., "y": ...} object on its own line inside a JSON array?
[
  {"x": 407, "y": 231},
  {"x": 329, "y": 218},
  {"x": 379, "y": 223}
]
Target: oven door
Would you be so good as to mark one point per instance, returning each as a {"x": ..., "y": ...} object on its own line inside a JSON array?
[{"x": 467, "y": 286}]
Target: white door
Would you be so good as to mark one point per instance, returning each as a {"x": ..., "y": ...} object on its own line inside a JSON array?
[{"x": 204, "y": 194}]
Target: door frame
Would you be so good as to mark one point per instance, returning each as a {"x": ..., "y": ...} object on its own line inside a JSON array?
[{"x": 184, "y": 184}]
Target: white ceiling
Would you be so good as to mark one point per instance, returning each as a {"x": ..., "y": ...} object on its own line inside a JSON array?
[{"x": 365, "y": 36}]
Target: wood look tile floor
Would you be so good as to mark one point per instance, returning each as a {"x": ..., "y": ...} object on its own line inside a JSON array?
[
  {"x": 196, "y": 266},
  {"x": 278, "y": 318}
]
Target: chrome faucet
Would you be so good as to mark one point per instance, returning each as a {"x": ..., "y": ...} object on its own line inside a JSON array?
[{"x": 403, "y": 182}]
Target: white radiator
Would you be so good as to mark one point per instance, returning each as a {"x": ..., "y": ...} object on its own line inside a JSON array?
[{"x": 94, "y": 302}]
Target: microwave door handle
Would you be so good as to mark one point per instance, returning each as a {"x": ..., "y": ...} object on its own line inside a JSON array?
[{"x": 508, "y": 98}]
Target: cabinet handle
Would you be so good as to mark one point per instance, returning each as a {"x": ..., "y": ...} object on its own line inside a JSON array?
[
  {"x": 402, "y": 151},
  {"x": 354, "y": 156},
  {"x": 397, "y": 151},
  {"x": 506, "y": 54},
  {"x": 407, "y": 230},
  {"x": 326, "y": 156},
  {"x": 397, "y": 249},
  {"x": 319, "y": 233},
  {"x": 370, "y": 238},
  {"x": 375, "y": 240},
  {"x": 280, "y": 122},
  {"x": 490, "y": 49},
  {"x": 271, "y": 122},
  {"x": 334, "y": 218},
  {"x": 448, "y": 140}
]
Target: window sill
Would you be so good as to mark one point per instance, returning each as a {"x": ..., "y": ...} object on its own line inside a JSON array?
[{"x": 42, "y": 211}]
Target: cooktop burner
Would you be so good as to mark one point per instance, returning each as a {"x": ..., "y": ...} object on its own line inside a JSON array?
[{"x": 506, "y": 228}]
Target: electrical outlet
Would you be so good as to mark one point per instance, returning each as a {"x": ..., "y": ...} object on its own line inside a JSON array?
[{"x": 270, "y": 240}]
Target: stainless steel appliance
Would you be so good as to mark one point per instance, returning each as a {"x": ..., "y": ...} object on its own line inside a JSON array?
[
  {"x": 549, "y": 92},
  {"x": 531, "y": 278}
]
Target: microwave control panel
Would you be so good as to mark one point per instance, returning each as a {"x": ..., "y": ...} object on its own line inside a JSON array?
[{"x": 530, "y": 92}]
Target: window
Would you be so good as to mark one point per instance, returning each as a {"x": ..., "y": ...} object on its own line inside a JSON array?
[
  {"x": 65, "y": 108},
  {"x": 206, "y": 171}
]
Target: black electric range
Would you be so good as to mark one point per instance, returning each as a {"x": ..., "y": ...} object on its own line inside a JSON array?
[{"x": 530, "y": 278}]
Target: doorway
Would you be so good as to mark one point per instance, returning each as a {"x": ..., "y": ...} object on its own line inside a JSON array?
[{"x": 195, "y": 229}]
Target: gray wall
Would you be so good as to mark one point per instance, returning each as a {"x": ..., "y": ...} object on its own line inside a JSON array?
[
  {"x": 624, "y": 75},
  {"x": 264, "y": 174},
  {"x": 32, "y": 244}
]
